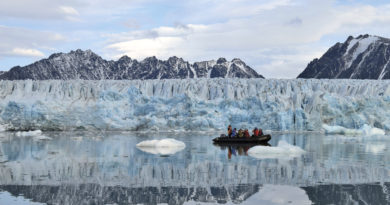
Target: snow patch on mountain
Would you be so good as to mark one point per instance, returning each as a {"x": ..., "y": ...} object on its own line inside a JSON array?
[{"x": 357, "y": 46}]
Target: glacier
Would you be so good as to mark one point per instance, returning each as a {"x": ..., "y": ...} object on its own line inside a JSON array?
[{"x": 193, "y": 104}]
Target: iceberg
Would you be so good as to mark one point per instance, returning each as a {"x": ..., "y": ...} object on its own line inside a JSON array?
[
  {"x": 161, "y": 147},
  {"x": 283, "y": 150},
  {"x": 29, "y": 133},
  {"x": 364, "y": 130},
  {"x": 42, "y": 137},
  {"x": 193, "y": 104}
]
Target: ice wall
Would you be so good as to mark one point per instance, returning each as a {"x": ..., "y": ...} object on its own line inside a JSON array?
[{"x": 194, "y": 104}]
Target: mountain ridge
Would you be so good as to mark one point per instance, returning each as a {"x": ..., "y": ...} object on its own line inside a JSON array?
[
  {"x": 86, "y": 65},
  {"x": 363, "y": 57}
]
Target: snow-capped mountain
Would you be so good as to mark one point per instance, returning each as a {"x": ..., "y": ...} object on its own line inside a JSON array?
[
  {"x": 364, "y": 57},
  {"x": 89, "y": 66}
]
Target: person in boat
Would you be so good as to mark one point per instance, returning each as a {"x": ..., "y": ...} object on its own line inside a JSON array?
[
  {"x": 255, "y": 132},
  {"x": 240, "y": 133},
  {"x": 246, "y": 133},
  {"x": 230, "y": 131},
  {"x": 234, "y": 132},
  {"x": 261, "y": 132}
]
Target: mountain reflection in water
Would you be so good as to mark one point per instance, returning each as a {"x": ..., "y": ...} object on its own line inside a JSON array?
[{"x": 107, "y": 168}]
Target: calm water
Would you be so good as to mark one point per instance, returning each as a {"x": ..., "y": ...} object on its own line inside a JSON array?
[{"x": 107, "y": 168}]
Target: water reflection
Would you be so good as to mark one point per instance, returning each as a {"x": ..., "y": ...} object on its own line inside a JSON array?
[
  {"x": 100, "y": 168},
  {"x": 240, "y": 149},
  {"x": 98, "y": 194}
]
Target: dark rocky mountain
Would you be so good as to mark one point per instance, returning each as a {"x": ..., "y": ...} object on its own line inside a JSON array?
[
  {"x": 364, "y": 57},
  {"x": 89, "y": 66}
]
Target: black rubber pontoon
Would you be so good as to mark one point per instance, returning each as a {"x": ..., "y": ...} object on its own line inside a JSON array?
[{"x": 255, "y": 140}]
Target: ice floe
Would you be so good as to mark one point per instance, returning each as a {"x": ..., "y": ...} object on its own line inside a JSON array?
[
  {"x": 364, "y": 130},
  {"x": 283, "y": 150},
  {"x": 375, "y": 148},
  {"x": 166, "y": 146},
  {"x": 42, "y": 137},
  {"x": 29, "y": 133}
]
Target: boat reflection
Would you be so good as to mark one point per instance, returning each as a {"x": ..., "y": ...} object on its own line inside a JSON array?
[{"x": 240, "y": 149}]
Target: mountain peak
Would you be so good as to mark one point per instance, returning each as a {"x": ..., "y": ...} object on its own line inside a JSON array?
[
  {"x": 237, "y": 60},
  {"x": 363, "y": 57},
  {"x": 363, "y": 36},
  {"x": 221, "y": 60},
  {"x": 87, "y": 52},
  {"x": 124, "y": 58},
  {"x": 151, "y": 58}
]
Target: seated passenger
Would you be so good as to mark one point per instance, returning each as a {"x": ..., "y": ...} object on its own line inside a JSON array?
[
  {"x": 246, "y": 133},
  {"x": 261, "y": 132},
  {"x": 229, "y": 131},
  {"x": 240, "y": 133},
  {"x": 234, "y": 132},
  {"x": 256, "y": 132}
]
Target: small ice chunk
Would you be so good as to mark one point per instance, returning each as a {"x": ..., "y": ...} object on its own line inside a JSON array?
[
  {"x": 368, "y": 130},
  {"x": 161, "y": 147},
  {"x": 375, "y": 148},
  {"x": 29, "y": 133},
  {"x": 3, "y": 128},
  {"x": 284, "y": 150},
  {"x": 42, "y": 137},
  {"x": 364, "y": 130},
  {"x": 77, "y": 138}
]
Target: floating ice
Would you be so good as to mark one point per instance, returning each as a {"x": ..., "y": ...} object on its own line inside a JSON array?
[
  {"x": 375, "y": 148},
  {"x": 364, "y": 130},
  {"x": 42, "y": 137},
  {"x": 77, "y": 138},
  {"x": 3, "y": 128},
  {"x": 29, "y": 133},
  {"x": 161, "y": 147},
  {"x": 284, "y": 150}
]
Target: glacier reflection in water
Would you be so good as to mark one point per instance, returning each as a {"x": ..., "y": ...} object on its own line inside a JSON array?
[{"x": 107, "y": 168}]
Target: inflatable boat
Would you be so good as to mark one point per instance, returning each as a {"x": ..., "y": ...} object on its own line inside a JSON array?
[{"x": 255, "y": 140}]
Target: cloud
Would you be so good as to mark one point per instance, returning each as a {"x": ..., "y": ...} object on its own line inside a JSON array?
[
  {"x": 26, "y": 52},
  {"x": 295, "y": 21},
  {"x": 25, "y": 42},
  {"x": 40, "y": 9},
  {"x": 278, "y": 38},
  {"x": 247, "y": 31}
]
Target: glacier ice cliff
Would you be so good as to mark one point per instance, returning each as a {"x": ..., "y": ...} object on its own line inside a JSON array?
[{"x": 194, "y": 104}]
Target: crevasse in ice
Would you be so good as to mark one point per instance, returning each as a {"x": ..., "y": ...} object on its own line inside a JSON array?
[{"x": 194, "y": 104}]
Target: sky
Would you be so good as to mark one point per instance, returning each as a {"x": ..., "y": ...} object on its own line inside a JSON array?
[{"x": 277, "y": 38}]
